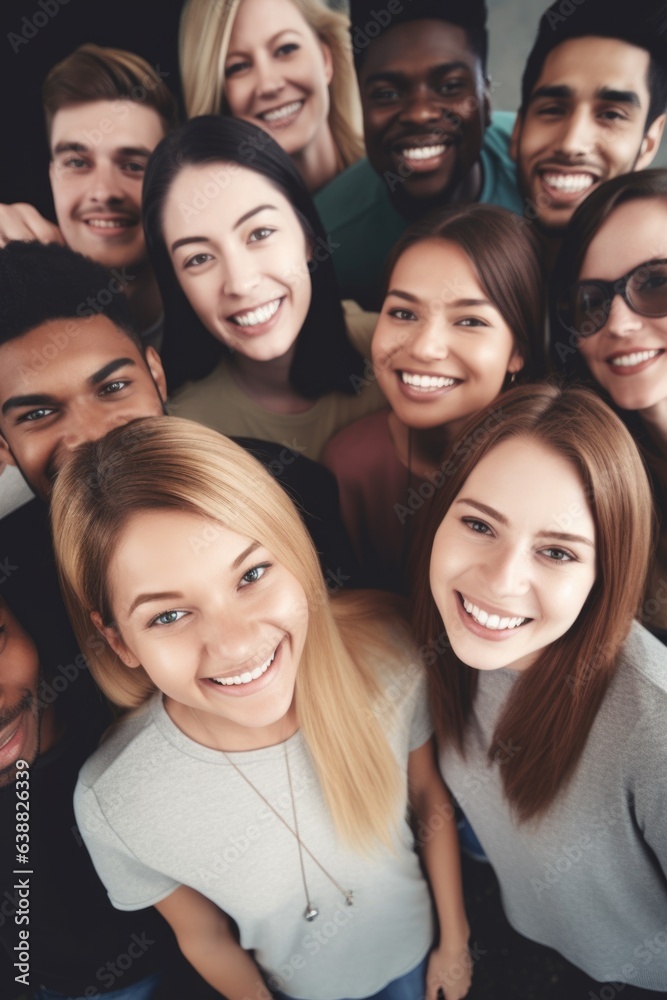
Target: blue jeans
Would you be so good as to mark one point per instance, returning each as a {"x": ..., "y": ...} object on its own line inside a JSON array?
[
  {"x": 411, "y": 986},
  {"x": 144, "y": 989}
]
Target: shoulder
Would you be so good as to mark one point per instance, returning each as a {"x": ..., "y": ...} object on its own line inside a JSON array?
[
  {"x": 356, "y": 445},
  {"x": 643, "y": 663},
  {"x": 500, "y": 184},
  {"x": 350, "y": 195},
  {"x": 126, "y": 742},
  {"x": 500, "y": 130}
]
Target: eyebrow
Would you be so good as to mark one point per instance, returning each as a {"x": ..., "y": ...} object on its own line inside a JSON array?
[
  {"x": 562, "y": 536},
  {"x": 456, "y": 304},
  {"x": 146, "y": 598},
  {"x": 80, "y": 147},
  {"x": 239, "y": 222},
  {"x": 44, "y": 399},
  {"x": 272, "y": 39},
  {"x": 562, "y": 91},
  {"x": 244, "y": 555},
  {"x": 396, "y": 76}
]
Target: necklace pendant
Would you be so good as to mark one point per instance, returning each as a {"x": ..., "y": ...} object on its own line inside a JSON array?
[
  {"x": 349, "y": 898},
  {"x": 310, "y": 912}
]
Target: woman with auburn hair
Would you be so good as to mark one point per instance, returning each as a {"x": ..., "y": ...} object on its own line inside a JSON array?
[
  {"x": 549, "y": 699},
  {"x": 252, "y": 310},
  {"x": 609, "y": 327},
  {"x": 286, "y": 66},
  {"x": 278, "y": 738},
  {"x": 462, "y": 318}
]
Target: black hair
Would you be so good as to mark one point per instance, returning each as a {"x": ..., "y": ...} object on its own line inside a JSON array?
[
  {"x": 324, "y": 359},
  {"x": 584, "y": 225},
  {"x": 642, "y": 23},
  {"x": 366, "y": 24},
  {"x": 43, "y": 282}
]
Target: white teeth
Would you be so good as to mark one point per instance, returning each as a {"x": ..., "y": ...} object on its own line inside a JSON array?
[
  {"x": 569, "y": 183},
  {"x": 280, "y": 113},
  {"x": 247, "y": 676},
  {"x": 493, "y": 622},
  {"x": 628, "y": 360},
  {"x": 108, "y": 223},
  {"x": 253, "y": 317},
  {"x": 429, "y": 382},
  {"x": 423, "y": 152}
]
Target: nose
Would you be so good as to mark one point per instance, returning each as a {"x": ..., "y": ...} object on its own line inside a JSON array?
[
  {"x": 622, "y": 319},
  {"x": 429, "y": 342},
  {"x": 240, "y": 274},
  {"x": 269, "y": 77},
  {"x": 86, "y": 422},
  {"x": 231, "y": 643},
  {"x": 578, "y": 133},
  {"x": 105, "y": 183},
  {"x": 422, "y": 107},
  {"x": 507, "y": 571}
]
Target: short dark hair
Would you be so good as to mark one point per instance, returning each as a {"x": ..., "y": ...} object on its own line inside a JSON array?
[
  {"x": 93, "y": 73},
  {"x": 642, "y": 23},
  {"x": 43, "y": 282},
  {"x": 324, "y": 358},
  {"x": 467, "y": 14}
]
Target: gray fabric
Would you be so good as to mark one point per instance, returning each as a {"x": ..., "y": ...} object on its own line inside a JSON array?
[
  {"x": 157, "y": 810},
  {"x": 589, "y": 879}
]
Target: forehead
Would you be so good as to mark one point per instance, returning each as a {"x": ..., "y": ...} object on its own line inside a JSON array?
[
  {"x": 107, "y": 126},
  {"x": 634, "y": 232},
  {"x": 588, "y": 64},
  {"x": 221, "y": 190},
  {"x": 436, "y": 268},
  {"x": 57, "y": 356},
  {"x": 258, "y": 20},
  {"x": 418, "y": 47}
]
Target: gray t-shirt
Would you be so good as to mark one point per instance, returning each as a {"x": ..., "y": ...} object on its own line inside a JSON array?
[
  {"x": 590, "y": 878},
  {"x": 158, "y": 810}
]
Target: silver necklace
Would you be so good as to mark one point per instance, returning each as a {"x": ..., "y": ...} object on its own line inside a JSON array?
[{"x": 311, "y": 910}]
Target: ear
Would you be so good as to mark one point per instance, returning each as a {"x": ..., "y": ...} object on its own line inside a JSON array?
[
  {"x": 328, "y": 61},
  {"x": 650, "y": 143},
  {"x": 114, "y": 639},
  {"x": 516, "y": 362},
  {"x": 486, "y": 102},
  {"x": 516, "y": 135},
  {"x": 6, "y": 457},
  {"x": 157, "y": 371}
]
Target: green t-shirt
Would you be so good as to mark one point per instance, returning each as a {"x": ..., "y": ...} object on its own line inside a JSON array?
[{"x": 363, "y": 225}]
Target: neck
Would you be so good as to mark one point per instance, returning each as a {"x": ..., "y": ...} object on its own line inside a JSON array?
[
  {"x": 421, "y": 450},
  {"x": 267, "y": 383},
  {"x": 49, "y": 732},
  {"x": 143, "y": 298},
  {"x": 467, "y": 190},
  {"x": 319, "y": 161},
  {"x": 221, "y": 734}
]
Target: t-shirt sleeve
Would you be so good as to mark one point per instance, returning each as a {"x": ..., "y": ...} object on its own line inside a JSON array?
[
  {"x": 130, "y": 884},
  {"x": 421, "y": 728},
  {"x": 410, "y": 678},
  {"x": 649, "y": 787}
]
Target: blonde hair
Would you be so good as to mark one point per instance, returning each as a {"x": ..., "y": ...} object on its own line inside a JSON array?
[
  {"x": 169, "y": 463},
  {"x": 203, "y": 39}
]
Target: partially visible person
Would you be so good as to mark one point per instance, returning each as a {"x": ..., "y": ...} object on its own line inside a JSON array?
[
  {"x": 105, "y": 111},
  {"x": 462, "y": 318},
  {"x": 285, "y": 65},
  {"x": 251, "y": 303},
  {"x": 593, "y": 103},
  {"x": 431, "y": 140},
  {"x": 248, "y": 682},
  {"x": 549, "y": 699},
  {"x": 609, "y": 328}
]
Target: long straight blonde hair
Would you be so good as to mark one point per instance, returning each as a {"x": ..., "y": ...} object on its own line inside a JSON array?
[
  {"x": 166, "y": 463},
  {"x": 203, "y": 41}
]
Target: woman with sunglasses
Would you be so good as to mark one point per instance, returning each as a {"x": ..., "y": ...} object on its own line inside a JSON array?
[{"x": 609, "y": 326}]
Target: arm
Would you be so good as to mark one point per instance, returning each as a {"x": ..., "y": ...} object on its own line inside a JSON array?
[
  {"x": 206, "y": 938},
  {"x": 23, "y": 222},
  {"x": 449, "y": 966}
]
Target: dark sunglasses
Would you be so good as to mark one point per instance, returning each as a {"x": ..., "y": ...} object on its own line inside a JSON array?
[{"x": 585, "y": 308}]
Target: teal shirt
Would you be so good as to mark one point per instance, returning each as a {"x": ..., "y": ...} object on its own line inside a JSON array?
[{"x": 363, "y": 225}]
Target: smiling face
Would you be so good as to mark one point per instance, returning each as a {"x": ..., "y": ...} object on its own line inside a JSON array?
[
  {"x": 425, "y": 106},
  {"x": 277, "y": 74},
  {"x": 628, "y": 356},
  {"x": 513, "y": 560},
  {"x": 218, "y": 628},
  {"x": 19, "y": 711},
  {"x": 584, "y": 124},
  {"x": 241, "y": 262},
  {"x": 441, "y": 348},
  {"x": 66, "y": 382},
  {"x": 99, "y": 152}
]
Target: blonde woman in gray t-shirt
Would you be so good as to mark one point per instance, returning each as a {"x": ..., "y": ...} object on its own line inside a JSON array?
[
  {"x": 278, "y": 737},
  {"x": 549, "y": 700}
]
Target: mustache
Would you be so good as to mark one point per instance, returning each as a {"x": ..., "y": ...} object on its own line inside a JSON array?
[{"x": 12, "y": 714}]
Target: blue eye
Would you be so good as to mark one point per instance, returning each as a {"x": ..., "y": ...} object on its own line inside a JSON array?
[
  {"x": 558, "y": 555},
  {"x": 168, "y": 617},
  {"x": 254, "y": 574}
]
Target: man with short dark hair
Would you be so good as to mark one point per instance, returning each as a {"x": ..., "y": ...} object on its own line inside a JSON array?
[
  {"x": 593, "y": 102},
  {"x": 428, "y": 129}
]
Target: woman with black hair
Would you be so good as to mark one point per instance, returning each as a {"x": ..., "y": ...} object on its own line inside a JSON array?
[{"x": 254, "y": 312}]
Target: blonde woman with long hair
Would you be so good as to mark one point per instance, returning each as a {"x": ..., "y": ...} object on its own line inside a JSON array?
[
  {"x": 277, "y": 737},
  {"x": 284, "y": 65}
]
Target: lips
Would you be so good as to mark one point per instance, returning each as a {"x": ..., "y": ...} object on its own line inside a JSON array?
[
  {"x": 108, "y": 225},
  {"x": 422, "y": 153},
  {"x": 283, "y": 115},
  {"x": 246, "y": 676},
  {"x": 632, "y": 362},
  {"x": 244, "y": 682},
  {"x": 426, "y": 383},
  {"x": 495, "y": 622},
  {"x": 256, "y": 316}
]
